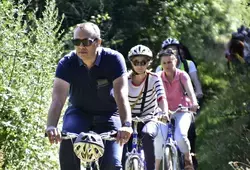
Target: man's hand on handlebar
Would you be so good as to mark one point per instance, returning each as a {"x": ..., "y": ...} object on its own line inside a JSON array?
[
  {"x": 54, "y": 134},
  {"x": 123, "y": 135}
]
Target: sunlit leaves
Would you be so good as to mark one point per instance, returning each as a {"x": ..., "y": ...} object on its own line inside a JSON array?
[{"x": 28, "y": 56}]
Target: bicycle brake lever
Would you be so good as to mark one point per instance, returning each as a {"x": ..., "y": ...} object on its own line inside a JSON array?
[
  {"x": 113, "y": 133},
  {"x": 64, "y": 133}
]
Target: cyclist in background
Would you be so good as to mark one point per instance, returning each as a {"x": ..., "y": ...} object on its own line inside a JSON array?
[
  {"x": 184, "y": 62},
  {"x": 185, "y": 53},
  {"x": 146, "y": 97},
  {"x": 179, "y": 90},
  {"x": 95, "y": 78}
]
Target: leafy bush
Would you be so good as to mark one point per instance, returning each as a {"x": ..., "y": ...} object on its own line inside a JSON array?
[
  {"x": 28, "y": 55},
  {"x": 224, "y": 125}
]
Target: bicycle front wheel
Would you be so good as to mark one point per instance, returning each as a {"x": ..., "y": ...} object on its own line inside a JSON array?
[
  {"x": 168, "y": 161},
  {"x": 134, "y": 164}
]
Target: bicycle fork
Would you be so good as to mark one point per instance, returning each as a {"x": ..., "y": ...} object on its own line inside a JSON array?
[
  {"x": 135, "y": 152},
  {"x": 169, "y": 142}
]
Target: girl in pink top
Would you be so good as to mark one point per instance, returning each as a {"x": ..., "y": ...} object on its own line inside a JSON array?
[
  {"x": 175, "y": 89},
  {"x": 179, "y": 90}
]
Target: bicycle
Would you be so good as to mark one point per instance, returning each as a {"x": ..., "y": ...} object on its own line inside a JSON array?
[
  {"x": 135, "y": 159},
  {"x": 236, "y": 165},
  {"x": 173, "y": 159},
  {"x": 81, "y": 146}
]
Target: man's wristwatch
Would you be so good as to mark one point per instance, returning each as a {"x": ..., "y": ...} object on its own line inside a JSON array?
[{"x": 126, "y": 124}]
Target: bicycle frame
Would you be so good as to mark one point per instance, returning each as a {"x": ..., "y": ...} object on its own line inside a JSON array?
[
  {"x": 170, "y": 142},
  {"x": 136, "y": 150}
]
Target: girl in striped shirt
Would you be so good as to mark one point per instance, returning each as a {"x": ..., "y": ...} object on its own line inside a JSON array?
[{"x": 154, "y": 101}]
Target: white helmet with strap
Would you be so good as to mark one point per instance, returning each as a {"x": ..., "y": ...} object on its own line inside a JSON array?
[
  {"x": 89, "y": 147},
  {"x": 169, "y": 41},
  {"x": 140, "y": 50}
]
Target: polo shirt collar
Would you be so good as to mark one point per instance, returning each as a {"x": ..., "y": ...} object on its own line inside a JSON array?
[
  {"x": 176, "y": 77},
  {"x": 97, "y": 60}
]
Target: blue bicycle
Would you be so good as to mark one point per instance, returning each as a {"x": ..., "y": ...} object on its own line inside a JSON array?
[
  {"x": 173, "y": 159},
  {"x": 135, "y": 159}
]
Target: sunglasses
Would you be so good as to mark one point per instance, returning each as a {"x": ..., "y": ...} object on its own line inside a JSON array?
[
  {"x": 167, "y": 52},
  {"x": 140, "y": 63},
  {"x": 84, "y": 42}
]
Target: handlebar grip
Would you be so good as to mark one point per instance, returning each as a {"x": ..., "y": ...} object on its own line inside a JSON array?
[
  {"x": 113, "y": 135},
  {"x": 63, "y": 134}
]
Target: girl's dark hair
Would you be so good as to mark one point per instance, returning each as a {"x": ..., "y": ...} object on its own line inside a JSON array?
[
  {"x": 167, "y": 52},
  {"x": 187, "y": 54}
]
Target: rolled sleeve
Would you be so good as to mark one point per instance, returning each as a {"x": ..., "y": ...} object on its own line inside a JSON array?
[
  {"x": 118, "y": 66},
  {"x": 62, "y": 71}
]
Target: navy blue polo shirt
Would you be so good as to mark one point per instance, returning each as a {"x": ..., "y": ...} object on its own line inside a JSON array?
[{"x": 91, "y": 90}]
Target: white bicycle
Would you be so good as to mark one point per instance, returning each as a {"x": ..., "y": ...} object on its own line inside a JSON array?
[{"x": 173, "y": 159}]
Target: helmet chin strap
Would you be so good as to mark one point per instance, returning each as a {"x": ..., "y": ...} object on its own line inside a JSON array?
[
  {"x": 178, "y": 64},
  {"x": 135, "y": 73}
]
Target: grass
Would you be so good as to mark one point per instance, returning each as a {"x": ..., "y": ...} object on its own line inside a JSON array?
[{"x": 222, "y": 140}]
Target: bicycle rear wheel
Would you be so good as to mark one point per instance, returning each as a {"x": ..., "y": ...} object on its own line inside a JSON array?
[{"x": 180, "y": 160}]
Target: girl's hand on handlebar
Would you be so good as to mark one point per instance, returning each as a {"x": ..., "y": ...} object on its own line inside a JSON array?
[
  {"x": 54, "y": 134},
  {"x": 163, "y": 117},
  {"x": 194, "y": 108}
]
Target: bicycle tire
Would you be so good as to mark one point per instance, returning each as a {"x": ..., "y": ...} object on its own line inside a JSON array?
[
  {"x": 178, "y": 164},
  {"x": 180, "y": 160},
  {"x": 134, "y": 163},
  {"x": 171, "y": 159},
  {"x": 168, "y": 159}
]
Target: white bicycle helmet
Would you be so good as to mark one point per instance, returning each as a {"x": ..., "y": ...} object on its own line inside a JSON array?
[
  {"x": 140, "y": 50},
  {"x": 169, "y": 41},
  {"x": 88, "y": 147}
]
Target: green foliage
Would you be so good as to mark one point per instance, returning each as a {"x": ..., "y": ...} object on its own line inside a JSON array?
[
  {"x": 28, "y": 56},
  {"x": 78, "y": 11},
  {"x": 224, "y": 125},
  {"x": 125, "y": 23},
  {"x": 31, "y": 44}
]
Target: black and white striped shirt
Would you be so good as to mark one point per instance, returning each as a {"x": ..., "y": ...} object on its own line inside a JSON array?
[{"x": 155, "y": 93}]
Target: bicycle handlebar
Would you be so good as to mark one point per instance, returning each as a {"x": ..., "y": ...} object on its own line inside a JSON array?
[
  {"x": 143, "y": 119},
  {"x": 181, "y": 108},
  {"x": 111, "y": 135}
]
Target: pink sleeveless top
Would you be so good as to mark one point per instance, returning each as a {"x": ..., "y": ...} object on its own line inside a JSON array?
[{"x": 175, "y": 91}]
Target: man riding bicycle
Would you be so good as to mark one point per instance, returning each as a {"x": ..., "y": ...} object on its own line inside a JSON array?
[
  {"x": 146, "y": 97},
  {"x": 95, "y": 78}
]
